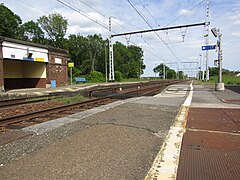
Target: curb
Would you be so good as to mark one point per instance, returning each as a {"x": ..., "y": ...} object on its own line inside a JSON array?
[{"x": 166, "y": 163}]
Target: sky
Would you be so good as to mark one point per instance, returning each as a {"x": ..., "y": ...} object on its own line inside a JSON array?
[{"x": 179, "y": 48}]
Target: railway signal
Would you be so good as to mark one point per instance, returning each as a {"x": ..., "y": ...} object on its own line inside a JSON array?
[{"x": 219, "y": 85}]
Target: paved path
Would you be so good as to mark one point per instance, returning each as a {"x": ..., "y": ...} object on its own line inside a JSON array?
[{"x": 118, "y": 141}]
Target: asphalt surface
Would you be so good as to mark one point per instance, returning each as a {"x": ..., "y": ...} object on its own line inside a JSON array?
[{"x": 118, "y": 143}]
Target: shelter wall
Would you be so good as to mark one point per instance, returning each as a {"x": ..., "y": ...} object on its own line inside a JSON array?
[{"x": 57, "y": 68}]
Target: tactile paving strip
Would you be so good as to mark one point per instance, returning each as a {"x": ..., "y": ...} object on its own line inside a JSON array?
[
  {"x": 205, "y": 164},
  {"x": 227, "y": 120},
  {"x": 211, "y": 141},
  {"x": 213, "y": 154}
]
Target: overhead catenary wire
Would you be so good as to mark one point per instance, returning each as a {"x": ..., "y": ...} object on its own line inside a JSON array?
[
  {"x": 178, "y": 17},
  {"x": 94, "y": 20},
  {"x": 185, "y": 13},
  {"x": 105, "y": 16},
  {"x": 138, "y": 12},
  {"x": 30, "y": 5},
  {"x": 83, "y": 13},
  {"x": 149, "y": 13}
]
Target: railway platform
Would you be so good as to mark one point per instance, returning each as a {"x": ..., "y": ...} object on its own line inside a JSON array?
[
  {"x": 185, "y": 132},
  {"x": 211, "y": 142},
  {"x": 28, "y": 92}
]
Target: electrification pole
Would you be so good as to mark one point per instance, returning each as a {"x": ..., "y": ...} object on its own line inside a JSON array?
[
  {"x": 200, "y": 66},
  {"x": 203, "y": 71},
  {"x": 105, "y": 47},
  {"x": 111, "y": 65},
  {"x": 207, "y": 38},
  {"x": 164, "y": 70},
  {"x": 220, "y": 57}
]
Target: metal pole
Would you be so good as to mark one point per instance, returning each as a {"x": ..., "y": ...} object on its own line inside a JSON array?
[
  {"x": 105, "y": 61},
  {"x": 207, "y": 39},
  {"x": 220, "y": 58},
  {"x": 203, "y": 72},
  {"x": 164, "y": 71},
  {"x": 111, "y": 65},
  {"x": 219, "y": 85},
  {"x": 200, "y": 66},
  {"x": 71, "y": 75},
  {"x": 140, "y": 70}
]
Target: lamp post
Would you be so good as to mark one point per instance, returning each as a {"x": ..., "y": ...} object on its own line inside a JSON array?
[{"x": 219, "y": 85}]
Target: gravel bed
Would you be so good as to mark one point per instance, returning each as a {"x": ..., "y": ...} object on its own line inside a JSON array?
[{"x": 22, "y": 109}]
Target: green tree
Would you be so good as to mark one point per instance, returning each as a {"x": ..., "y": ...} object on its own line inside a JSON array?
[
  {"x": 128, "y": 60},
  {"x": 9, "y": 22},
  {"x": 55, "y": 25},
  {"x": 87, "y": 53},
  {"x": 96, "y": 76},
  {"x": 181, "y": 74},
  {"x": 77, "y": 46},
  {"x": 170, "y": 73},
  {"x": 118, "y": 76},
  {"x": 160, "y": 70},
  {"x": 95, "y": 49},
  {"x": 213, "y": 71},
  {"x": 30, "y": 31}
]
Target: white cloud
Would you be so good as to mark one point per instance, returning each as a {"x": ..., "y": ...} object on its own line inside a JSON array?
[
  {"x": 236, "y": 34},
  {"x": 164, "y": 11},
  {"x": 236, "y": 18},
  {"x": 184, "y": 11}
]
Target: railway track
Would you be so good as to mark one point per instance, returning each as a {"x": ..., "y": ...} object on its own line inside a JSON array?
[
  {"x": 52, "y": 113},
  {"x": 28, "y": 100},
  {"x": 104, "y": 96}
]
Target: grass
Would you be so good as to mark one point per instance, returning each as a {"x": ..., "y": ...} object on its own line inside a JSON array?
[
  {"x": 71, "y": 100},
  {"x": 142, "y": 79},
  {"x": 227, "y": 80},
  {"x": 230, "y": 80}
]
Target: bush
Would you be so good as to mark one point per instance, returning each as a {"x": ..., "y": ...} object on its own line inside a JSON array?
[
  {"x": 76, "y": 72},
  {"x": 118, "y": 76},
  {"x": 96, "y": 76}
]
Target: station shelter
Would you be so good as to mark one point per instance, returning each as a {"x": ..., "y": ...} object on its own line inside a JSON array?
[{"x": 30, "y": 65}]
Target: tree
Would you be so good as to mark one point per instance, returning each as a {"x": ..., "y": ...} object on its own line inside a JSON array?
[
  {"x": 77, "y": 46},
  {"x": 30, "y": 31},
  {"x": 87, "y": 53},
  {"x": 128, "y": 60},
  {"x": 213, "y": 71},
  {"x": 170, "y": 73},
  {"x": 55, "y": 26},
  {"x": 160, "y": 69},
  {"x": 9, "y": 22},
  {"x": 95, "y": 49},
  {"x": 181, "y": 74}
]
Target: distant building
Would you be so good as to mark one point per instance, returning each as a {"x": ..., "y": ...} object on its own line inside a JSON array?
[{"x": 30, "y": 65}]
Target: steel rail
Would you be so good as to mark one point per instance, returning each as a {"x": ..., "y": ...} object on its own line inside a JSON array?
[
  {"x": 41, "y": 113},
  {"x": 18, "y": 118}
]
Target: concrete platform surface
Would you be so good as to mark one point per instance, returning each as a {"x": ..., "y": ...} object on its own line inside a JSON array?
[
  {"x": 138, "y": 138},
  {"x": 116, "y": 141}
]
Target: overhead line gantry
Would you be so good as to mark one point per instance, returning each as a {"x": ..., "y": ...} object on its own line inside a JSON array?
[
  {"x": 159, "y": 29},
  {"x": 111, "y": 67}
]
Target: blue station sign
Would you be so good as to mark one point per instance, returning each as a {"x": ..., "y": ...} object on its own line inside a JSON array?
[{"x": 209, "y": 47}]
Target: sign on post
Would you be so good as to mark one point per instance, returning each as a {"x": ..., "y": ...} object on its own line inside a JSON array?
[
  {"x": 209, "y": 47},
  {"x": 71, "y": 64}
]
